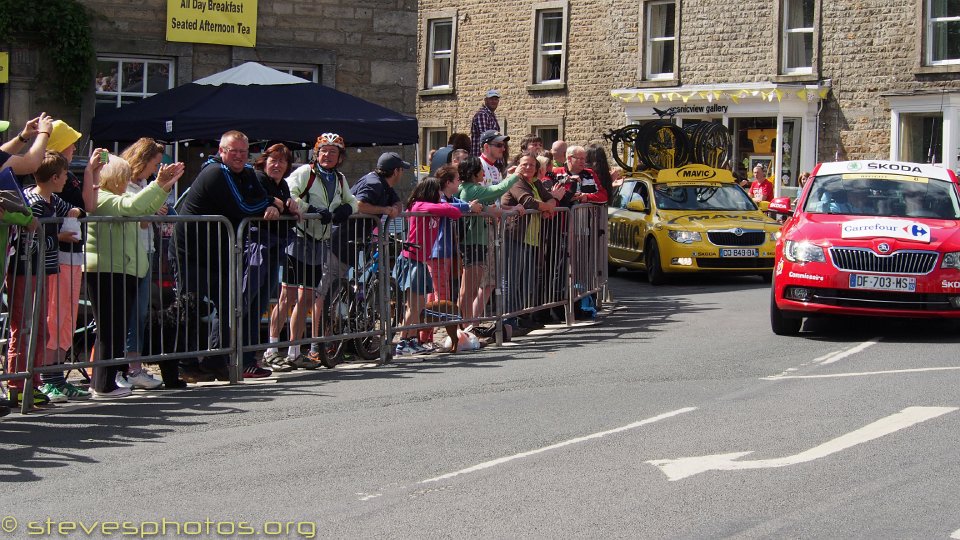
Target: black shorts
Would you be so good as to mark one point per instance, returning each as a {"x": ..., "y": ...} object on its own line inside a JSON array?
[
  {"x": 473, "y": 254},
  {"x": 299, "y": 274}
]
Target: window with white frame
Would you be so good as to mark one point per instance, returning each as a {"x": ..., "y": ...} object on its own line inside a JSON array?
[
  {"x": 440, "y": 53},
  {"x": 121, "y": 81},
  {"x": 797, "y": 36},
  {"x": 435, "y": 138},
  {"x": 661, "y": 39},
  {"x": 921, "y": 137},
  {"x": 943, "y": 32},
  {"x": 550, "y": 46},
  {"x": 310, "y": 73}
]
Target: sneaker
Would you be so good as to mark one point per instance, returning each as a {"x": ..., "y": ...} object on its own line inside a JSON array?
[
  {"x": 144, "y": 380},
  {"x": 280, "y": 364},
  {"x": 303, "y": 362},
  {"x": 429, "y": 347},
  {"x": 116, "y": 393},
  {"x": 121, "y": 381},
  {"x": 403, "y": 348},
  {"x": 53, "y": 393},
  {"x": 417, "y": 348},
  {"x": 73, "y": 392},
  {"x": 256, "y": 372}
]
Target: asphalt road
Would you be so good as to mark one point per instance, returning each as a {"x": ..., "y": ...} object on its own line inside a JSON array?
[{"x": 847, "y": 431}]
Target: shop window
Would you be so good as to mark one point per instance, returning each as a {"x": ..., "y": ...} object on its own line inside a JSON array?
[
  {"x": 550, "y": 43},
  {"x": 121, "y": 81},
  {"x": 921, "y": 138},
  {"x": 661, "y": 39},
  {"x": 440, "y": 40},
  {"x": 435, "y": 139},
  {"x": 310, "y": 73},
  {"x": 942, "y": 32},
  {"x": 798, "y": 36}
]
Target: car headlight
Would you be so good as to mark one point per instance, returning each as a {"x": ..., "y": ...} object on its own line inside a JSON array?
[
  {"x": 803, "y": 252},
  {"x": 773, "y": 236},
  {"x": 951, "y": 260},
  {"x": 684, "y": 237}
]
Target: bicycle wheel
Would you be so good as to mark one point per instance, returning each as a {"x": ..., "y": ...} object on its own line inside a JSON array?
[
  {"x": 622, "y": 147},
  {"x": 710, "y": 143},
  {"x": 336, "y": 322},
  {"x": 367, "y": 315},
  {"x": 662, "y": 145}
]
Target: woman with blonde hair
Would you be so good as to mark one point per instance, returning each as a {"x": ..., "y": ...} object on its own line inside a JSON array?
[
  {"x": 144, "y": 157},
  {"x": 116, "y": 260}
]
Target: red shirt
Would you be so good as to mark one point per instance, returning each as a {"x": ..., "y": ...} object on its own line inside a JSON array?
[{"x": 761, "y": 190}]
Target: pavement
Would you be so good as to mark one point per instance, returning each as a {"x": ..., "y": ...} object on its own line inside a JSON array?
[{"x": 678, "y": 415}]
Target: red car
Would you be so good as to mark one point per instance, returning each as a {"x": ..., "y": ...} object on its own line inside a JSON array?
[{"x": 875, "y": 238}]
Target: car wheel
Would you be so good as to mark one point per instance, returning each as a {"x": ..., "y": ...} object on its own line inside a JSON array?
[
  {"x": 612, "y": 268},
  {"x": 655, "y": 273},
  {"x": 783, "y": 323}
]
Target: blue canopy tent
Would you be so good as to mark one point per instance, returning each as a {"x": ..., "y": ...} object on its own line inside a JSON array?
[{"x": 264, "y": 103}]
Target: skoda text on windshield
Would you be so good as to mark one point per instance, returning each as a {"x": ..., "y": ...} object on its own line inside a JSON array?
[{"x": 874, "y": 238}]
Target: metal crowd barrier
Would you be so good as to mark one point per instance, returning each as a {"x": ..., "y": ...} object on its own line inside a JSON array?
[{"x": 229, "y": 291}]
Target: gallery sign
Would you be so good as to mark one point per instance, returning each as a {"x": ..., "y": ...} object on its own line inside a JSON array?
[{"x": 220, "y": 22}]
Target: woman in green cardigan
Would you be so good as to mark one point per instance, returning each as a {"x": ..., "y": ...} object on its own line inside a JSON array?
[{"x": 115, "y": 260}]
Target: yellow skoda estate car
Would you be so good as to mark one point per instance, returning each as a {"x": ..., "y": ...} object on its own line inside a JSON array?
[{"x": 692, "y": 219}]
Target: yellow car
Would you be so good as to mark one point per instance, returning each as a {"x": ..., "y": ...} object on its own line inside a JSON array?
[{"x": 691, "y": 219}]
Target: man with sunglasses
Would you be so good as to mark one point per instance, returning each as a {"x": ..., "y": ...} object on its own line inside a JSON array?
[{"x": 493, "y": 146}]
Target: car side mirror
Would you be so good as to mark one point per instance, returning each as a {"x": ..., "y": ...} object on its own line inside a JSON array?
[
  {"x": 763, "y": 205},
  {"x": 637, "y": 206},
  {"x": 780, "y": 205}
]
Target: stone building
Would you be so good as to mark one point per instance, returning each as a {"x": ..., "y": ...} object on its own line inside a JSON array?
[
  {"x": 362, "y": 47},
  {"x": 794, "y": 81}
]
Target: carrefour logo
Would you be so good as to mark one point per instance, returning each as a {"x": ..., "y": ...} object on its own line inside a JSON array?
[{"x": 885, "y": 228}]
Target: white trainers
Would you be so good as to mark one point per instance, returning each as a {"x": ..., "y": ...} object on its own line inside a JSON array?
[
  {"x": 121, "y": 380},
  {"x": 142, "y": 379},
  {"x": 119, "y": 392}
]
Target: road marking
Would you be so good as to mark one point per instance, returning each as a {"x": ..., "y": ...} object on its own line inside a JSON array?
[
  {"x": 680, "y": 468},
  {"x": 501, "y": 461},
  {"x": 834, "y": 357},
  {"x": 858, "y": 374},
  {"x": 956, "y": 534}
]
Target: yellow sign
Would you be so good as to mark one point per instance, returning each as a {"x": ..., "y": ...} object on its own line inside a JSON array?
[
  {"x": 221, "y": 22},
  {"x": 4, "y": 68}
]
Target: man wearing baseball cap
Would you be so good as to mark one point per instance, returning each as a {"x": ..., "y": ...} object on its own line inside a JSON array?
[
  {"x": 493, "y": 146},
  {"x": 484, "y": 120}
]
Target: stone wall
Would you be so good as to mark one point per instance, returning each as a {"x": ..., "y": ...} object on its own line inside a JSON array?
[
  {"x": 366, "y": 48},
  {"x": 868, "y": 48}
]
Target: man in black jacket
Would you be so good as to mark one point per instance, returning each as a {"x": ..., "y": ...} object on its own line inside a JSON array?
[{"x": 226, "y": 186}]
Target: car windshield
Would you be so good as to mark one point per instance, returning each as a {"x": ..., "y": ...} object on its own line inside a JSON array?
[
  {"x": 708, "y": 197},
  {"x": 893, "y": 196}
]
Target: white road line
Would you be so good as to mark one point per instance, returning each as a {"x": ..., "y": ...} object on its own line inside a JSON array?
[
  {"x": 956, "y": 534},
  {"x": 858, "y": 374},
  {"x": 679, "y": 468},
  {"x": 501, "y": 461},
  {"x": 831, "y": 358}
]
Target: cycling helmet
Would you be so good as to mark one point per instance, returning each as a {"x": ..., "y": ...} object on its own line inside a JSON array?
[{"x": 329, "y": 139}]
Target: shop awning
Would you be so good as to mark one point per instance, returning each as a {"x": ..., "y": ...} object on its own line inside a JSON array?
[{"x": 719, "y": 92}]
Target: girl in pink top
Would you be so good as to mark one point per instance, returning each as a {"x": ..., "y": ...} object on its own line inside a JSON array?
[{"x": 411, "y": 272}]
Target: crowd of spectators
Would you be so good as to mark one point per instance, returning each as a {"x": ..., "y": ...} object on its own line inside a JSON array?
[{"x": 300, "y": 242}]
